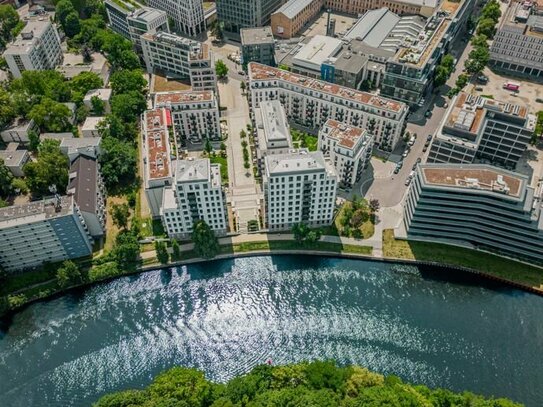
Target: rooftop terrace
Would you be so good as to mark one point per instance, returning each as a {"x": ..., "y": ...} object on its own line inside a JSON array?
[
  {"x": 157, "y": 144},
  {"x": 347, "y": 136}
]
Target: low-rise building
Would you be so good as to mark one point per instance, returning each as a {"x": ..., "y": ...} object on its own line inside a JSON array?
[
  {"x": 517, "y": 46},
  {"x": 74, "y": 64},
  {"x": 87, "y": 187},
  {"x": 349, "y": 149},
  {"x": 272, "y": 130},
  {"x": 73, "y": 147},
  {"x": 14, "y": 159},
  {"x": 36, "y": 48},
  {"x": 195, "y": 115},
  {"x": 478, "y": 206},
  {"x": 299, "y": 187},
  {"x": 49, "y": 230},
  {"x": 91, "y": 126},
  {"x": 104, "y": 95},
  {"x": 196, "y": 194},
  {"x": 310, "y": 102},
  {"x": 477, "y": 128},
  {"x": 257, "y": 45},
  {"x": 19, "y": 131},
  {"x": 292, "y": 17}
]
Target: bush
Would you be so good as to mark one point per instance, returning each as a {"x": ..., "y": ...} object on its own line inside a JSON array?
[{"x": 103, "y": 271}]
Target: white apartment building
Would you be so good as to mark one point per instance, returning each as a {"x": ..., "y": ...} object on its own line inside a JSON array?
[
  {"x": 196, "y": 194},
  {"x": 36, "y": 48},
  {"x": 349, "y": 149},
  {"x": 202, "y": 73},
  {"x": 187, "y": 15},
  {"x": 49, "y": 230},
  {"x": 310, "y": 102},
  {"x": 272, "y": 131},
  {"x": 299, "y": 187},
  {"x": 146, "y": 20},
  {"x": 195, "y": 115}
]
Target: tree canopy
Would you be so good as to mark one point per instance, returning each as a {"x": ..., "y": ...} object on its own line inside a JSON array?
[
  {"x": 118, "y": 162},
  {"x": 205, "y": 242},
  {"x": 51, "y": 168},
  {"x": 221, "y": 69},
  {"x": 6, "y": 177},
  {"x": 314, "y": 384},
  {"x": 10, "y": 24},
  {"x": 51, "y": 116}
]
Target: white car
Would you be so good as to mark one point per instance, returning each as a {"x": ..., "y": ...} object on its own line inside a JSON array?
[{"x": 405, "y": 153}]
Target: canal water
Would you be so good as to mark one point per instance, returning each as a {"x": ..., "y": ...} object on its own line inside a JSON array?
[{"x": 224, "y": 317}]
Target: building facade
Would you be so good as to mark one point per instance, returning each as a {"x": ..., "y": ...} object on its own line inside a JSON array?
[
  {"x": 518, "y": 44},
  {"x": 187, "y": 15},
  {"x": 195, "y": 115},
  {"x": 117, "y": 13},
  {"x": 299, "y": 187},
  {"x": 292, "y": 17},
  {"x": 146, "y": 20},
  {"x": 477, "y": 206},
  {"x": 36, "y": 48},
  {"x": 196, "y": 194},
  {"x": 236, "y": 15},
  {"x": 49, "y": 230},
  {"x": 272, "y": 131},
  {"x": 408, "y": 7},
  {"x": 19, "y": 131},
  {"x": 349, "y": 149},
  {"x": 257, "y": 45},
  {"x": 310, "y": 103},
  {"x": 477, "y": 128}
]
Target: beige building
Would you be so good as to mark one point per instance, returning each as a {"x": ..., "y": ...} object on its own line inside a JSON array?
[
  {"x": 421, "y": 7},
  {"x": 292, "y": 17}
]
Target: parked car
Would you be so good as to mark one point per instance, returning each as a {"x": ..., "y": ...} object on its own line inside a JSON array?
[
  {"x": 405, "y": 153},
  {"x": 397, "y": 170},
  {"x": 414, "y": 167},
  {"x": 479, "y": 88},
  {"x": 419, "y": 160},
  {"x": 482, "y": 78},
  {"x": 424, "y": 148},
  {"x": 407, "y": 182},
  {"x": 400, "y": 163},
  {"x": 429, "y": 137},
  {"x": 241, "y": 73},
  {"x": 428, "y": 113},
  {"x": 411, "y": 141}
]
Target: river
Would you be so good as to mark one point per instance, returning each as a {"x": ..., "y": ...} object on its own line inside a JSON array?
[{"x": 224, "y": 317}]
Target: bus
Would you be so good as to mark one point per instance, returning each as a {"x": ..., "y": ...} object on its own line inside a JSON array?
[{"x": 511, "y": 86}]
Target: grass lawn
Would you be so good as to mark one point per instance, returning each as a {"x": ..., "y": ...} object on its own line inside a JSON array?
[
  {"x": 293, "y": 245},
  {"x": 304, "y": 140},
  {"x": 224, "y": 167},
  {"x": 111, "y": 229},
  {"x": 459, "y": 256},
  {"x": 367, "y": 229},
  {"x": 19, "y": 281}
]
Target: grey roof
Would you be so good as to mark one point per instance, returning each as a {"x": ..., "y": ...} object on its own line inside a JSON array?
[
  {"x": 256, "y": 36},
  {"x": 35, "y": 211},
  {"x": 296, "y": 161},
  {"x": 29, "y": 36},
  {"x": 274, "y": 121},
  {"x": 80, "y": 142},
  {"x": 146, "y": 14},
  {"x": 374, "y": 26},
  {"x": 56, "y": 136},
  {"x": 83, "y": 183},
  {"x": 293, "y": 7},
  {"x": 192, "y": 170},
  {"x": 13, "y": 158}
]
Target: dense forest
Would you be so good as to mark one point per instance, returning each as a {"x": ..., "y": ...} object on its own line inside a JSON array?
[{"x": 315, "y": 384}]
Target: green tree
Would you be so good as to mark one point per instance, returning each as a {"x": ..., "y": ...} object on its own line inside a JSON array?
[
  {"x": 300, "y": 231},
  {"x": 112, "y": 126},
  {"x": 492, "y": 11},
  {"x": 128, "y": 81},
  {"x": 118, "y": 162},
  {"x": 35, "y": 85},
  {"x": 51, "y": 116},
  {"x": 84, "y": 82},
  {"x": 51, "y": 168},
  {"x": 19, "y": 186},
  {"x": 360, "y": 216},
  {"x": 208, "y": 148},
  {"x": 9, "y": 20},
  {"x": 284, "y": 67},
  {"x": 486, "y": 27},
  {"x": 221, "y": 69},
  {"x": 128, "y": 106},
  {"x": 478, "y": 58},
  {"x": 63, "y": 10},
  {"x": 127, "y": 248},
  {"x": 176, "y": 252},
  {"x": 34, "y": 140},
  {"x": 6, "y": 178},
  {"x": 161, "y": 252},
  {"x": 441, "y": 75},
  {"x": 206, "y": 244},
  {"x": 7, "y": 110},
  {"x": 128, "y": 59},
  {"x": 68, "y": 274},
  {"x": 71, "y": 24},
  {"x": 183, "y": 387},
  {"x": 98, "y": 106},
  {"x": 462, "y": 81},
  {"x": 448, "y": 62},
  {"x": 479, "y": 41},
  {"x": 120, "y": 213}
]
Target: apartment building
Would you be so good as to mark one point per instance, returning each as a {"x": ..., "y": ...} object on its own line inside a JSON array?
[
  {"x": 74, "y": 147},
  {"x": 310, "y": 102},
  {"x": 202, "y": 72},
  {"x": 257, "y": 45},
  {"x": 14, "y": 159},
  {"x": 187, "y": 15},
  {"x": 409, "y": 74},
  {"x": 19, "y": 131},
  {"x": 236, "y": 15},
  {"x": 401, "y": 7},
  {"x": 146, "y": 20},
  {"x": 272, "y": 131},
  {"x": 299, "y": 187},
  {"x": 292, "y": 17},
  {"x": 349, "y": 149},
  {"x": 518, "y": 44},
  {"x": 478, "y": 206},
  {"x": 477, "y": 128},
  {"x": 49, "y": 230},
  {"x": 195, "y": 115},
  {"x": 36, "y": 48},
  {"x": 196, "y": 194}
]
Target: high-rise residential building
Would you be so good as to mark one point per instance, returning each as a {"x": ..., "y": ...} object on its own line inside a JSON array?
[
  {"x": 257, "y": 45},
  {"x": 349, "y": 149},
  {"x": 478, "y": 206},
  {"x": 196, "y": 194},
  {"x": 179, "y": 57},
  {"x": 517, "y": 46},
  {"x": 187, "y": 15},
  {"x": 195, "y": 115},
  {"x": 36, "y": 48},
  {"x": 477, "y": 128},
  {"x": 292, "y": 17},
  {"x": 272, "y": 130},
  {"x": 310, "y": 102},
  {"x": 236, "y": 15},
  {"x": 409, "y": 74},
  {"x": 49, "y": 230},
  {"x": 299, "y": 187}
]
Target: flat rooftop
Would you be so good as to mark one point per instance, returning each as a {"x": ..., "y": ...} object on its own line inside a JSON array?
[
  {"x": 316, "y": 51},
  {"x": 300, "y": 160},
  {"x": 168, "y": 98},
  {"x": 274, "y": 121},
  {"x": 263, "y": 72},
  {"x": 146, "y": 14},
  {"x": 35, "y": 211},
  {"x": 102, "y": 94},
  {"x": 28, "y": 37},
  {"x": 13, "y": 158},
  {"x": 346, "y": 136},
  {"x": 157, "y": 144},
  {"x": 256, "y": 36},
  {"x": 92, "y": 122},
  {"x": 197, "y": 170},
  {"x": 474, "y": 177}
]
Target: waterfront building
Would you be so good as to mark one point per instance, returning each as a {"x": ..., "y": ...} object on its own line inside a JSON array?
[
  {"x": 299, "y": 187},
  {"x": 195, "y": 115},
  {"x": 517, "y": 46},
  {"x": 289, "y": 20},
  {"x": 349, "y": 149},
  {"x": 88, "y": 189},
  {"x": 15, "y": 159},
  {"x": 310, "y": 102},
  {"x": 19, "y": 131},
  {"x": 49, "y": 230},
  {"x": 478, "y": 206},
  {"x": 196, "y": 194},
  {"x": 36, "y": 48},
  {"x": 236, "y": 15},
  {"x": 477, "y": 128},
  {"x": 272, "y": 130},
  {"x": 104, "y": 95},
  {"x": 409, "y": 74},
  {"x": 257, "y": 45},
  {"x": 187, "y": 15}
]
